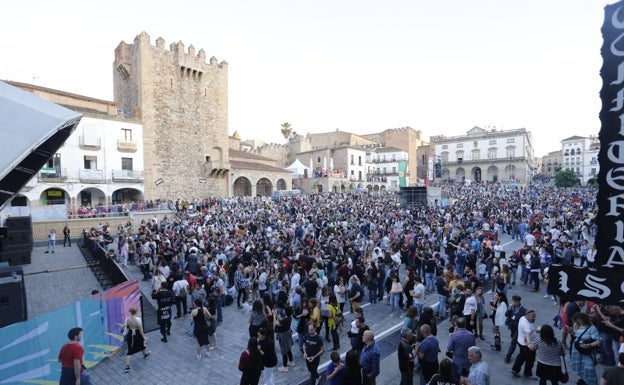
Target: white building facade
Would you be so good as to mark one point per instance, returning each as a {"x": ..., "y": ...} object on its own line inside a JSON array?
[
  {"x": 387, "y": 166},
  {"x": 100, "y": 164},
  {"x": 485, "y": 156},
  {"x": 580, "y": 155}
]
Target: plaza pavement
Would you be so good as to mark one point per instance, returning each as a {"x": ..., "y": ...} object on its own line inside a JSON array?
[{"x": 56, "y": 280}]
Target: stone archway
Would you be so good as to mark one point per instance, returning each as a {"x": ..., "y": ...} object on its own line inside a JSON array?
[
  {"x": 510, "y": 172},
  {"x": 126, "y": 195},
  {"x": 476, "y": 174},
  {"x": 492, "y": 174},
  {"x": 281, "y": 184},
  {"x": 91, "y": 197},
  {"x": 460, "y": 174},
  {"x": 264, "y": 187},
  {"x": 242, "y": 187},
  {"x": 54, "y": 196}
]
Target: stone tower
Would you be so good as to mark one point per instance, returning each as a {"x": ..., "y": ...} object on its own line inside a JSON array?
[{"x": 182, "y": 101}]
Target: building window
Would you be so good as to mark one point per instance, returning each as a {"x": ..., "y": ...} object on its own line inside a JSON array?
[
  {"x": 444, "y": 157},
  {"x": 491, "y": 153},
  {"x": 593, "y": 171},
  {"x": 492, "y": 142},
  {"x": 318, "y": 159},
  {"x": 126, "y": 134},
  {"x": 352, "y": 159},
  {"x": 445, "y": 146},
  {"x": 359, "y": 160},
  {"x": 90, "y": 162},
  {"x": 126, "y": 163},
  {"x": 511, "y": 152},
  {"x": 394, "y": 171},
  {"x": 476, "y": 155},
  {"x": 54, "y": 162},
  {"x": 352, "y": 172},
  {"x": 511, "y": 140},
  {"x": 460, "y": 145}
]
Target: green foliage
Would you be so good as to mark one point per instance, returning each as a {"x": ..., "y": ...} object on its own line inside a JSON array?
[
  {"x": 287, "y": 130},
  {"x": 566, "y": 178}
]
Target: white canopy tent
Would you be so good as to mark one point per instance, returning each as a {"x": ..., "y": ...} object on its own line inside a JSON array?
[{"x": 298, "y": 169}]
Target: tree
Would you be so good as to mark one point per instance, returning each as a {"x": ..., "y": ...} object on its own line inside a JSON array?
[
  {"x": 287, "y": 130},
  {"x": 566, "y": 178}
]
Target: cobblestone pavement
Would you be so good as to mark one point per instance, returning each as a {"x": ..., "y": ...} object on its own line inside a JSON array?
[{"x": 59, "y": 279}]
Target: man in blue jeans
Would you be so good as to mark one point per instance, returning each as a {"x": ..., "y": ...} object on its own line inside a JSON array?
[{"x": 443, "y": 293}]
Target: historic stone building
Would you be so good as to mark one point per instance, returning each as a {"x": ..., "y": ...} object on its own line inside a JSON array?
[
  {"x": 485, "y": 156},
  {"x": 182, "y": 100}
]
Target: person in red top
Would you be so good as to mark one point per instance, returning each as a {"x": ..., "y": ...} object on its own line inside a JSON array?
[{"x": 70, "y": 358}]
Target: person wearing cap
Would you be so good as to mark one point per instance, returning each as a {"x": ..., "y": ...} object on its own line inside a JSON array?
[{"x": 526, "y": 357}]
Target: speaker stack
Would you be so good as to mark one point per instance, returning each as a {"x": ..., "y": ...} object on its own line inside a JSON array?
[
  {"x": 12, "y": 296},
  {"x": 17, "y": 243}
]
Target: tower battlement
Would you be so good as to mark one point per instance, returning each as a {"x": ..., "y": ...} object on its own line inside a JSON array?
[{"x": 182, "y": 98}]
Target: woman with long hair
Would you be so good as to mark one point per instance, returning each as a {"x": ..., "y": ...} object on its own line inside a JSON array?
[
  {"x": 353, "y": 373},
  {"x": 269, "y": 308},
  {"x": 269, "y": 357},
  {"x": 549, "y": 353},
  {"x": 499, "y": 308},
  {"x": 586, "y": 337},
  {"x": 341, "y": 293},
  {"x": 444, "y": 375},
  {"x": 257, "y": 318},
  {"x": 302, "y": 316},
  {"x": 250, "y": 363},
  {"x": 200, "y": 316},
  {"x": 396, "y": 291}
]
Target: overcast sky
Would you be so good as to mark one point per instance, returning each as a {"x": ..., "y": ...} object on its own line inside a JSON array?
[{"x": 361, "y": 66}]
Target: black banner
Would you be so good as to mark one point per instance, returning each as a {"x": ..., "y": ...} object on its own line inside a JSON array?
[
  {"x": 598, "y": 285},
  {"x": 610, "y": 238},
  {"x": 605, "y": 283}
]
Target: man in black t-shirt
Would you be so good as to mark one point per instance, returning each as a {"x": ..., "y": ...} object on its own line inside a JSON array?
[
  {"x": 165, "y": 298},
  {"x": 312, "y": 350}
]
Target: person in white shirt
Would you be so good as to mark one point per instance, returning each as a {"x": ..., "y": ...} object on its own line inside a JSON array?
[
  {"x": 527, "y": 355},
  {"x": 470, "y": 310},
  {"x": 418, "y": 293},
  {"x": 529, "y": 239}
]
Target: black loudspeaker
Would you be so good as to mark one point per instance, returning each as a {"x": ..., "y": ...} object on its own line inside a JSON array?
[
  {"x": 18, "y": 224},
  {"x": 12, "y": 296},
  {"x": 3, "y": 231},
  {"x": 18, "y": 238},
  {"x": 16, "y": 257}
]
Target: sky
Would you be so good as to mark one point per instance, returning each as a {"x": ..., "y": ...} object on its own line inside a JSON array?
[{"x": 362, "y": 66}]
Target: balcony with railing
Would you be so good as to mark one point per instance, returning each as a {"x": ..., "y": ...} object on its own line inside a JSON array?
[
  {"x": 90, "y": 143},
  {"x": 127, "y": 175},
  {"x": 389, "y": 160},
  {"x": 126, "y": 145},
  {"x": 91, "y": 176},
  {"x": 460, "y": 162},
  {"x": 53, "y": 174}
]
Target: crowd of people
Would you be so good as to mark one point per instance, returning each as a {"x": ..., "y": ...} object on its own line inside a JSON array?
[{"x": 301, "y": 261}]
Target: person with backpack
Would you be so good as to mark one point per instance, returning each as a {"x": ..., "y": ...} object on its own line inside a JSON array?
[
  {"x": 335, "y": 320},
  {"x": 181, "y": 289},
  {"x": 457, "y": 301}
]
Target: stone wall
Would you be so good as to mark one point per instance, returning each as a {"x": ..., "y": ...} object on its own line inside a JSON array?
[
  {"x": 183, "y": 103},
  {"x": 76, "y": 226}
]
